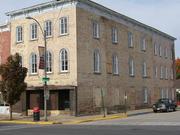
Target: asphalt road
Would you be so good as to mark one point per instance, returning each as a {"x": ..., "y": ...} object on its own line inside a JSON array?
[{"x": 90, "y": 130}]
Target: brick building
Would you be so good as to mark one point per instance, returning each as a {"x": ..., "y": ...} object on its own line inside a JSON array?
[
  {"x": 92, "y": 49},
  {"x": 5, "y": 41}
]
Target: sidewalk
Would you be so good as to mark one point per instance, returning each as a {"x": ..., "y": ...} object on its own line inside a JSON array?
[{"x": 70, "y": 120}]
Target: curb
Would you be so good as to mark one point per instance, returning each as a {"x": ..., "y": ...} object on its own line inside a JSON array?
[
  {"x": 95, "y": 119},
  {"x": 29, "y": 122}
]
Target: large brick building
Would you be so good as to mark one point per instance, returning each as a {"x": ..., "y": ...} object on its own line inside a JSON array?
[
  {"x": 92, "y": 48},
  {"x": 5, "y": 41}
]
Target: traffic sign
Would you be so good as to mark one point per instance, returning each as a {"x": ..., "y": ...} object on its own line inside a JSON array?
[{"x": 45, "y": 79}]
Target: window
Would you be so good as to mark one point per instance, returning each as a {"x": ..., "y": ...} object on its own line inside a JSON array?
[
  {"x": 156, "y": 71},
  {"x": 171, "y": 53},
  {"x": 96, "y": 30},
  {"x": 162, "y": 93},
  {"x": 130, "y": 39},
  {"x": 131, "y": 67},
  {"x": 160, "y": 50},
  {"x": 166, "y": 52},
  {"x": 144, "y": 69},
  {"x": 33, "y": 28},
  {"x": 64, "y": 60},
  {"x": 172, "y": 74},
  {"x": 33, "y": 63},
  {"x": 49, "y": 62},
  {"x": 145, "y": 93},
  {"x": 143, "y": 44},
  {"x": 63, "y": 26},
  {"x": 19, "y": 33},
  {"x": 166, "y": 73},
  {"x": 48, "y": 28},
  {"x": 115, "y": 65},
  {"x": 161, "y": 74},
  {"x": 155, "y": 49},
  {"x": 96, "y": 61},
  {"x": 114, "y": 35}
]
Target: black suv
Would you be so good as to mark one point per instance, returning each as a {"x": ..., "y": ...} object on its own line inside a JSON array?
[{"x": 164, "y": 105}]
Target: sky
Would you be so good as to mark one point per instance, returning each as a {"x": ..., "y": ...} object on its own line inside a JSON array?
[{"x": 163, "y": 15}]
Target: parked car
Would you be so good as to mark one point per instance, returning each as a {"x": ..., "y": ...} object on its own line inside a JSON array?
[{"x": 164, "y": 105}]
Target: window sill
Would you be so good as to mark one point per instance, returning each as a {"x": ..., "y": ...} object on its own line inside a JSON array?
[
  {"x": 97, "y": 73},
  {"x": 115, "y": 43},
  {"x": 49, "y": 73},
  {"x": 64, "y": 72},
  {"x": 65, "y": 34},
  {"x": 47, "y": 37},
  {"x": 131, "y": 75},
  {"x": 19, "y": 42},
  {"x": 116, "y": 74},
  {"x": 34, "y": 39},
  {"x": 97, "y": 38},
  {"x": 33, "y": 74}
]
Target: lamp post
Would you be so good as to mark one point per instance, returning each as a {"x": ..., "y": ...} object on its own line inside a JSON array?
[{"x": 45, "y": 66}]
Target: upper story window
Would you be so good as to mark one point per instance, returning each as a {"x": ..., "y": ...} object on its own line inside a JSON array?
[
  {"x": 96, "y": 30},
  {"x": 144, "y": 69},
  {"x": 166, "y": 73},
  {"x": 48, "y": 28},
  {"x": 145, "y": 93},
  {"x": 19, "y": 34},
  {"x": 115, "y": 65},
  {"x": 156, "y": 71},
  {"x": 171, "y": 53},
  {"x": 160, "y": 50},
  {"x": 20, "y": 61},
  {"x": 143, "y": 44},
  {"x": 33, "y": 63},
  {"x": 33, "y": 32},
  {"x": 162, "y": 73},
  {"x": 64, "y": 62},
  {"x": 130, "y": 40},
  {"x": 63, "y": 26},
  {"x": 166, "y": 52},
  {"x": 155, "y": 49},
  {"x": 172, "y": 74},
  {"x": 131, "y": 67},
  {"x": 114, "y": 35},
  {"x": 97, "y": 61},
  {"x": 49, "y": 62}
]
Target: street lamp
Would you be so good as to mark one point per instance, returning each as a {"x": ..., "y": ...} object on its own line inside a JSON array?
[{"x": 45, "y": 66}]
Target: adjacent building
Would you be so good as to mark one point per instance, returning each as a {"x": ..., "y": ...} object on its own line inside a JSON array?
[
  {"x": 93, "y": 52},
  {"x": 5, "y": 41}
]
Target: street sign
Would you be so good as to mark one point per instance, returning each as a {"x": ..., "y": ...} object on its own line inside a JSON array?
[{"x": 45, "y": 79}]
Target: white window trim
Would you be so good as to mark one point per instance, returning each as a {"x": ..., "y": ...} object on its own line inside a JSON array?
[
  {"x": 48, "y": 52},
  {"x": 96, "y": 30},
  {"x": 145, "y": 91},
  {"x": 114, "y": 35},
  {"x": 17, "y": 34},
  {"x": 156, "y": 71},
  {"x": 144, "y": 69},
  {"x": 131, "y": 68},
  {"x": 160, "y": 50},
  {"x": 97, "y": 61},
  {"x": 60, "y": 24},
  {"x": 31, "y": 67},
  {"x": 115, "y": 63},
  {"x": 130, "y": 40},
  {"x": 50, "y": 30},
  {"x": 64, "y": 71},
  {"x": 155, "y": 49},
  {"x": 143, "y": 44},
  {"x": 166, "y": 52},
  {"x": 31, "y": 31}
]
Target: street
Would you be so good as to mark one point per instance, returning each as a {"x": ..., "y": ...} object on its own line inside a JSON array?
[{"x": 144, "y": 124}]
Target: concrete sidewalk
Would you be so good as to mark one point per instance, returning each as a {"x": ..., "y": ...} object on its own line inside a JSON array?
[{"x": 71, "y": 120}]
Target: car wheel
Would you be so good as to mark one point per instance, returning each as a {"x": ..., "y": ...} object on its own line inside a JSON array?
[
  {"x": 174, "y": 109},
  {"x": 155, "y": 111}
]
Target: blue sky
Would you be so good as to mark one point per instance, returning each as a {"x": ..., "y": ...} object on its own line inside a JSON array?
[{"x": 161, "y": 14}]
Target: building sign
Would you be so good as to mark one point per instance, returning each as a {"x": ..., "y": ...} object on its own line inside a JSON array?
[{"x": 41, "y": 55}]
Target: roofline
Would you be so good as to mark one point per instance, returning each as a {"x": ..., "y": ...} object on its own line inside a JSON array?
[{"x": 96, "y": 5}]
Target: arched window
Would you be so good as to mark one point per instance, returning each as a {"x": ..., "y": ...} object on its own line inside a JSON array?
[
  {"x": 144, "y": 69},
  {"x": 33, "y": 63},
  {"x": 96, "y": 61},
  {"x": 115, "y": 64},
  {"x": 49, "y": 62},
  {"x": 64, "y": 60}
]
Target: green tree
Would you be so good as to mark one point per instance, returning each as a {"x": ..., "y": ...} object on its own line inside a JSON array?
[{"x": 12, "y": 83}]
